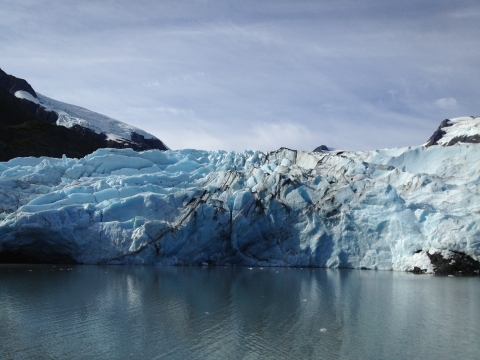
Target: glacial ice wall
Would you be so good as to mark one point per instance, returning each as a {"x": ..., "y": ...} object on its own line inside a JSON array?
[{"x": 381, "y": 209}]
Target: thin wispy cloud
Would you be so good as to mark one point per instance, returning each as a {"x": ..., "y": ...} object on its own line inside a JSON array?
[
  {"x": 446, "y": 103},
  {"x": 238, "y": 75}
]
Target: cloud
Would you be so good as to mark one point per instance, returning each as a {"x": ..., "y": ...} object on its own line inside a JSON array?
[
  {"x": 446, "y": 103},
  {"x": 265, "y": 137},
  {"x": 352, "y": 75},
  {"x": 284, "y": 134}
]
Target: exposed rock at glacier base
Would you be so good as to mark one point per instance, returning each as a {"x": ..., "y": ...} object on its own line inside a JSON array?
[{"x": 454, "y": 263}]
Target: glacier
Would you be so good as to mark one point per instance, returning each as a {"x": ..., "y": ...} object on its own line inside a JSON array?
[{"x": 383, "y": 209}]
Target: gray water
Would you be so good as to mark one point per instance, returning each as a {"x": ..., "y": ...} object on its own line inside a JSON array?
[{"x": 85, "y": 312}]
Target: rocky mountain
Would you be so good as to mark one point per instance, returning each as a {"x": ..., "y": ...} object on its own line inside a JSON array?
[
  {"x": 408, "y": 209},
  {"x": 33, "y": 125},
  {"x": 321, "y": 148},
  {"x": 459, "y": 130}
]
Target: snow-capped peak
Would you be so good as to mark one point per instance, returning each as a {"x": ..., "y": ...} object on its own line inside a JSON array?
[
  {"x": 464, "y": 129},
  {"x": 461, "y": 127}
]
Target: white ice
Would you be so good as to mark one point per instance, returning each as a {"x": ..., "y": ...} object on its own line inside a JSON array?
[{"x": 380, "y": 209}]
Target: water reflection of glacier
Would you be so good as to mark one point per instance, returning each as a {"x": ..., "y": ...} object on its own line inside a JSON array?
[{"x": 192, "y": 312}]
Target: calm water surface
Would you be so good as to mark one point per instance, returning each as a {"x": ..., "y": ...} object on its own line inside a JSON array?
[{"x": 85, "y": 312}]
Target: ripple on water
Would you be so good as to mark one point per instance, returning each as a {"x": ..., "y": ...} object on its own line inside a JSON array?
[{"x": 190, "y": 312}]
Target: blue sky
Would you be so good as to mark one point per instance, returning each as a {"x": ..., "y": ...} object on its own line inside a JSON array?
[{"x": 235, "y": 75}]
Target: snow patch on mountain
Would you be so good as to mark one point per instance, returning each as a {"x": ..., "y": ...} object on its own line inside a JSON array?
[
  {"x": 71, "y": 115},
  {"x": 21, "y": 94}
]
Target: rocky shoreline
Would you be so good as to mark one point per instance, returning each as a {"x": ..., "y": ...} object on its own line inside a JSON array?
[{"x": 455, "y": 263}]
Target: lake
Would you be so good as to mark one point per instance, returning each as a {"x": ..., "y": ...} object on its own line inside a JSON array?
[{"x": 85, "y": 312}]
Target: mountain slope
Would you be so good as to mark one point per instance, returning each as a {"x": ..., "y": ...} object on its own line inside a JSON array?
[
  {"x": 24, "y": 134},
  {"x": 52, "y": 128}
]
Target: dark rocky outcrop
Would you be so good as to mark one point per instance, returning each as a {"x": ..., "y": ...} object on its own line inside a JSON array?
[
  {"x": 149, "y": 143},
  {"x": 12, "y": 111},
  {"x": 457, "y": 264},
  {"x": 321, "y": 148},
  {"x": 39, "y": 111},
  {"x": 24, "y": 134},
  {"x": 83, "y": 131},
  {"x": 475, "y": 139},
  {"x": 39, "y": 138},
  {"x": 125, "y": 143},
  {"x": 438, "y": 134},
  {"x": 137, "y": 143},
  {"x": 13, "y": 84},
  {"x": 417, "y": 270}
]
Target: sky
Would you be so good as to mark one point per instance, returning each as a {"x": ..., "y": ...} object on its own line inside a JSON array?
[{"x": 259, "y": 75}]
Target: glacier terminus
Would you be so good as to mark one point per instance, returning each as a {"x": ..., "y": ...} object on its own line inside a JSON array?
[{"x": 385, "y": 209}]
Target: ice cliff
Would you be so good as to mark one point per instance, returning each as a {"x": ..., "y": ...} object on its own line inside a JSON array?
[{"x": 382, "y": 209}]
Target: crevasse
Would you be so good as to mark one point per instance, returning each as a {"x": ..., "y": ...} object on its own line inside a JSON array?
[{"x": 381, "y": 209}]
